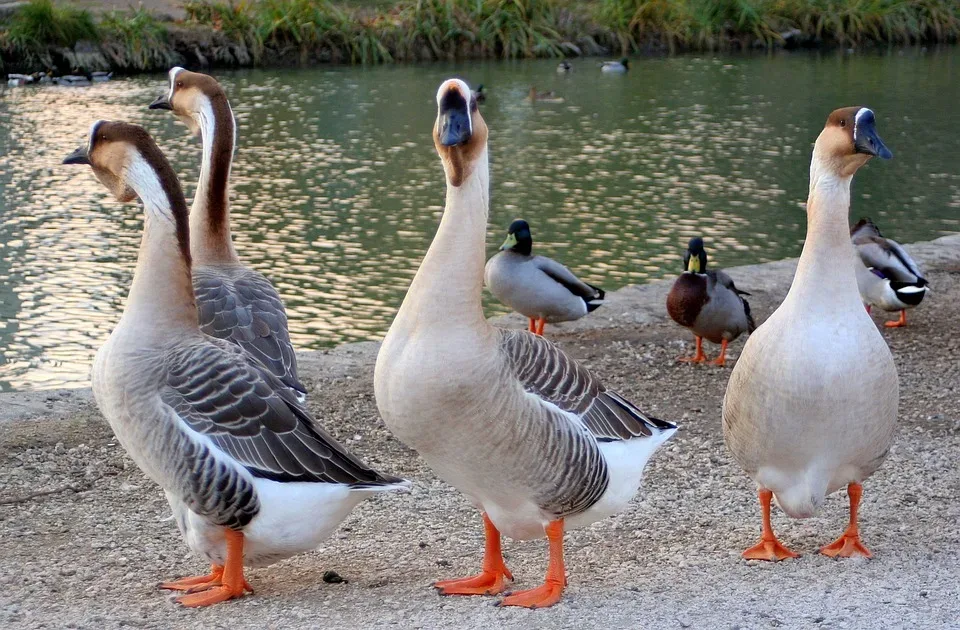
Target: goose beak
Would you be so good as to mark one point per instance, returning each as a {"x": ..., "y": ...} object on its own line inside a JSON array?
[
  {"x": 453, "y": 122},
  {"x": 161, "y": 102},
  {"x": 80, "y": 156},
  {"x": 865, "y": 138},
  {"x": 509, "y": 243}
]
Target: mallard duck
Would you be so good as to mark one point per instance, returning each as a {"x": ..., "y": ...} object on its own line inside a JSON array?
[
  {"x": 811, "y": 405},
  {"x": 905, "y": 286},
  {"x": 615, "y": 67},
  {"x": 534, "y": 439},
  {"x": 250, "y": 475},
  {"x": 480, "y": 94},
  {"x": 537, "y": 287},
  {"x": 564, "y": 67},
  {"x": 235, "y": 302},
  {"x": 708, "y": 303},
  {"x": 543, "y": 97}
]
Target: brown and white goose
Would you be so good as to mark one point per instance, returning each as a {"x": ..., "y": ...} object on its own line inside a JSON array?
[
  {"x": 250, "y": 475},
  {"x": 528, "y": 434},
  {"x": 235, "y": 302},
  {"x": 811, "y": 405}
]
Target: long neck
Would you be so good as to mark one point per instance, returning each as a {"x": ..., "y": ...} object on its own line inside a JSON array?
[
  {"x": 826, "y": 267},
  {"x": 449, "y": 283},
  {"x": 210, "y": 215},
  {"x": 161, "y": 292}
]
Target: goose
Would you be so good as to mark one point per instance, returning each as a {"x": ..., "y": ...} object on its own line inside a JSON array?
[
  {"x": 234, "y": 301},
  {"x": 251, "y": 477},
  {"x": 480, "y": 94},
  {"x": 615, "y": 67},
  {"x": 564, "y": 67},
  {"x": 537, "y": 287},
  {"x": 533, "y": 438},
  {"x": 901, "y": 285},
  {"x": 708, "y": 303},
  {"x": 543, "y": 97},
  {"x": 811, "y": 405}
]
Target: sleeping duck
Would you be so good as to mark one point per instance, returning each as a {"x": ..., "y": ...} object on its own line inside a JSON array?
[
  {"x": 563, "y": 67},
  {"x": 536, "y": 286},
  {"x": 615, "y": 67},
  {"x": 708, "y": 303},
  {"x": 893, "y": 281}
]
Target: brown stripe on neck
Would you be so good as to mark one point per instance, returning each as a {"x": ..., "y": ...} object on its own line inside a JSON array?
[{"x": 221, "y": 156}]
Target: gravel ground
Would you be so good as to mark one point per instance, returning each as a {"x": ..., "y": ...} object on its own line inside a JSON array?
[{"x": 85, "y": 536}]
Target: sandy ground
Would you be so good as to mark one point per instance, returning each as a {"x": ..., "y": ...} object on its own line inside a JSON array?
[{"x": 89, "y": 553}]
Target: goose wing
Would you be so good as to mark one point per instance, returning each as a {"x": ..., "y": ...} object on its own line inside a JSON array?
[
  {"x": 545, "y": 371},
  {"x": 564, "y": 276},
  {"x": 246, "y": 309},
  {"x": 889, "y": 258},
  {"x": 224, "y": 394}
]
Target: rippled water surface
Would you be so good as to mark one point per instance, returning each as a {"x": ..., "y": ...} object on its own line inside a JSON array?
[{"x": 337, "y": 189}]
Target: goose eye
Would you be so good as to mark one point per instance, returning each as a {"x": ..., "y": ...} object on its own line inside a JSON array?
[
  {"x": 843, "y": 123},
  {"x": 179, "y": 84}
]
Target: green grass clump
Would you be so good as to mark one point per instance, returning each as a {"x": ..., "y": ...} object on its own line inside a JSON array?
[
  {"x": 40, "y": 24},
  {"x": 136, "y": 40}
]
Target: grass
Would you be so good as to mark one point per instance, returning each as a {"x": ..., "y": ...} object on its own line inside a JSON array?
[{"x": 253, "y": 32}]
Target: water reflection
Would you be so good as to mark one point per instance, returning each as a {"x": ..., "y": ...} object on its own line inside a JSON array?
[{"x": 338, "y": 190}]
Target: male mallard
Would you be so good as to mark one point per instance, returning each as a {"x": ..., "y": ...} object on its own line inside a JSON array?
[
  {"x": 537, "y": 287},
  {"x": 534, "y": 439},
  {"x": 811, "y": 405},
  {"x": 564, "y": 67},
  {"x": 615, "y": 67},
  {"x": 708, "y": 303},
  {"x": 480, "y": 94},
  {"x": 901, "y": 284}
]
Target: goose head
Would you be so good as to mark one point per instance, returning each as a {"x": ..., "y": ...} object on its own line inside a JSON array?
[
  {"x": 848, "y": 141},
  {"x": 112, "y": 150},
  {"x": 189, "y": 95},
  {"x": 695, "y": 259},
  {"x": 518, "y": 238},
  {"x": 460, "y": 134}
]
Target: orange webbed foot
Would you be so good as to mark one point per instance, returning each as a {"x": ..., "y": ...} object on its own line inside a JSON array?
[
  {"x": 847, "y": 546},
  {"x": 896, "y": 324},
  {"x": 213, "y": 595},
  {"x": 486, "y": 583},
  {"x": 197, "y": 583},
  {"x": 770, "y": 550},
  {"x": 545, "y": 595},
  {"x": 697, "y": 358},
  {"x": 719, "y": 361}
]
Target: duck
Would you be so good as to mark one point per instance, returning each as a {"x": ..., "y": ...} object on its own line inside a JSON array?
[
  {"x": 73, "y": 80},
  {"x": 900, "y": 283},
  {"x": 543, "y": 97},
  {"x": 615, "y": 67},
  {"x": 481, "y": 95},
  {"x": 235, "y": 302},
  {"x": 811, "y": 405},
  {"x": 563, "y": 67},
  {"x": 251, "y": 476},
  {"x": 708, "y": 303},
  {"x": 537, "y": 287},
  {"x": 532, "y": 437}
]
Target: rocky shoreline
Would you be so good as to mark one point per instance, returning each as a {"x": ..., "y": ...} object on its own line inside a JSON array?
[{"x": 86, "y": 537}]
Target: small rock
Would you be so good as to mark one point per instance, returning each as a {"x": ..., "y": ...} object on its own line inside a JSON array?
[{"x": 332, "y": 577}]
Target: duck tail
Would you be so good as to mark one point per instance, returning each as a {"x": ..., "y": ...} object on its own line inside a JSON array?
[
  {"x": 751, "y": 324},
  {"x": 597, "y": 301}
]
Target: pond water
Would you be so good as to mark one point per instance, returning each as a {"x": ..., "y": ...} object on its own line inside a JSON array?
[{"x": 337, "y": 190}]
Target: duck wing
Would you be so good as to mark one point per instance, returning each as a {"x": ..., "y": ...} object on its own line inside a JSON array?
[
  {"x": 889, "y": 258},
  {"x": 547, "y": 372},
  {"x": 564, "y": 276},
  {"x": 225, "y": 395},
  {"x": 245, "y": 308}
]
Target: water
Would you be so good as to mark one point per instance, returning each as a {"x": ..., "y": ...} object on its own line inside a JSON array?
[{"x": 337, "y": 189}]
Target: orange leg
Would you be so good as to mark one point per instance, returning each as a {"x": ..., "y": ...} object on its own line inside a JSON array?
[
  {"x": 722, "y": 359},
  {"x": 900, "y": 323},
  {"x": 769, "y": 548},
  {"x": 533, "y": 325},
  {"x": 490, "y": 580},
  {"x": 849, "y": 545},
  {"x": 540, "y": 324},
  {"x": 198, "y": 583},
  {"x": 699, "y": 357},
  {"x": 232, "y": 584},
  {"x": 550, "y": 591}
]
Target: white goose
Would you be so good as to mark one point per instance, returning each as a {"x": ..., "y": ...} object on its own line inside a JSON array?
[
  {"x": 235, "y": 302},
  {"x": 250, "y": 475},
  {"x": 529, "y": 435},
  {"x": 811, "y": 405}
]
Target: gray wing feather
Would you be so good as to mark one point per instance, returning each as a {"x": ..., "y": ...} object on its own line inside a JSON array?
[
  {"x": 889, "y": 258},
  {"x": 222, "y": 393},
  {"x": 564, "y": 276},
  {"x": 243, "y": 307}
]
